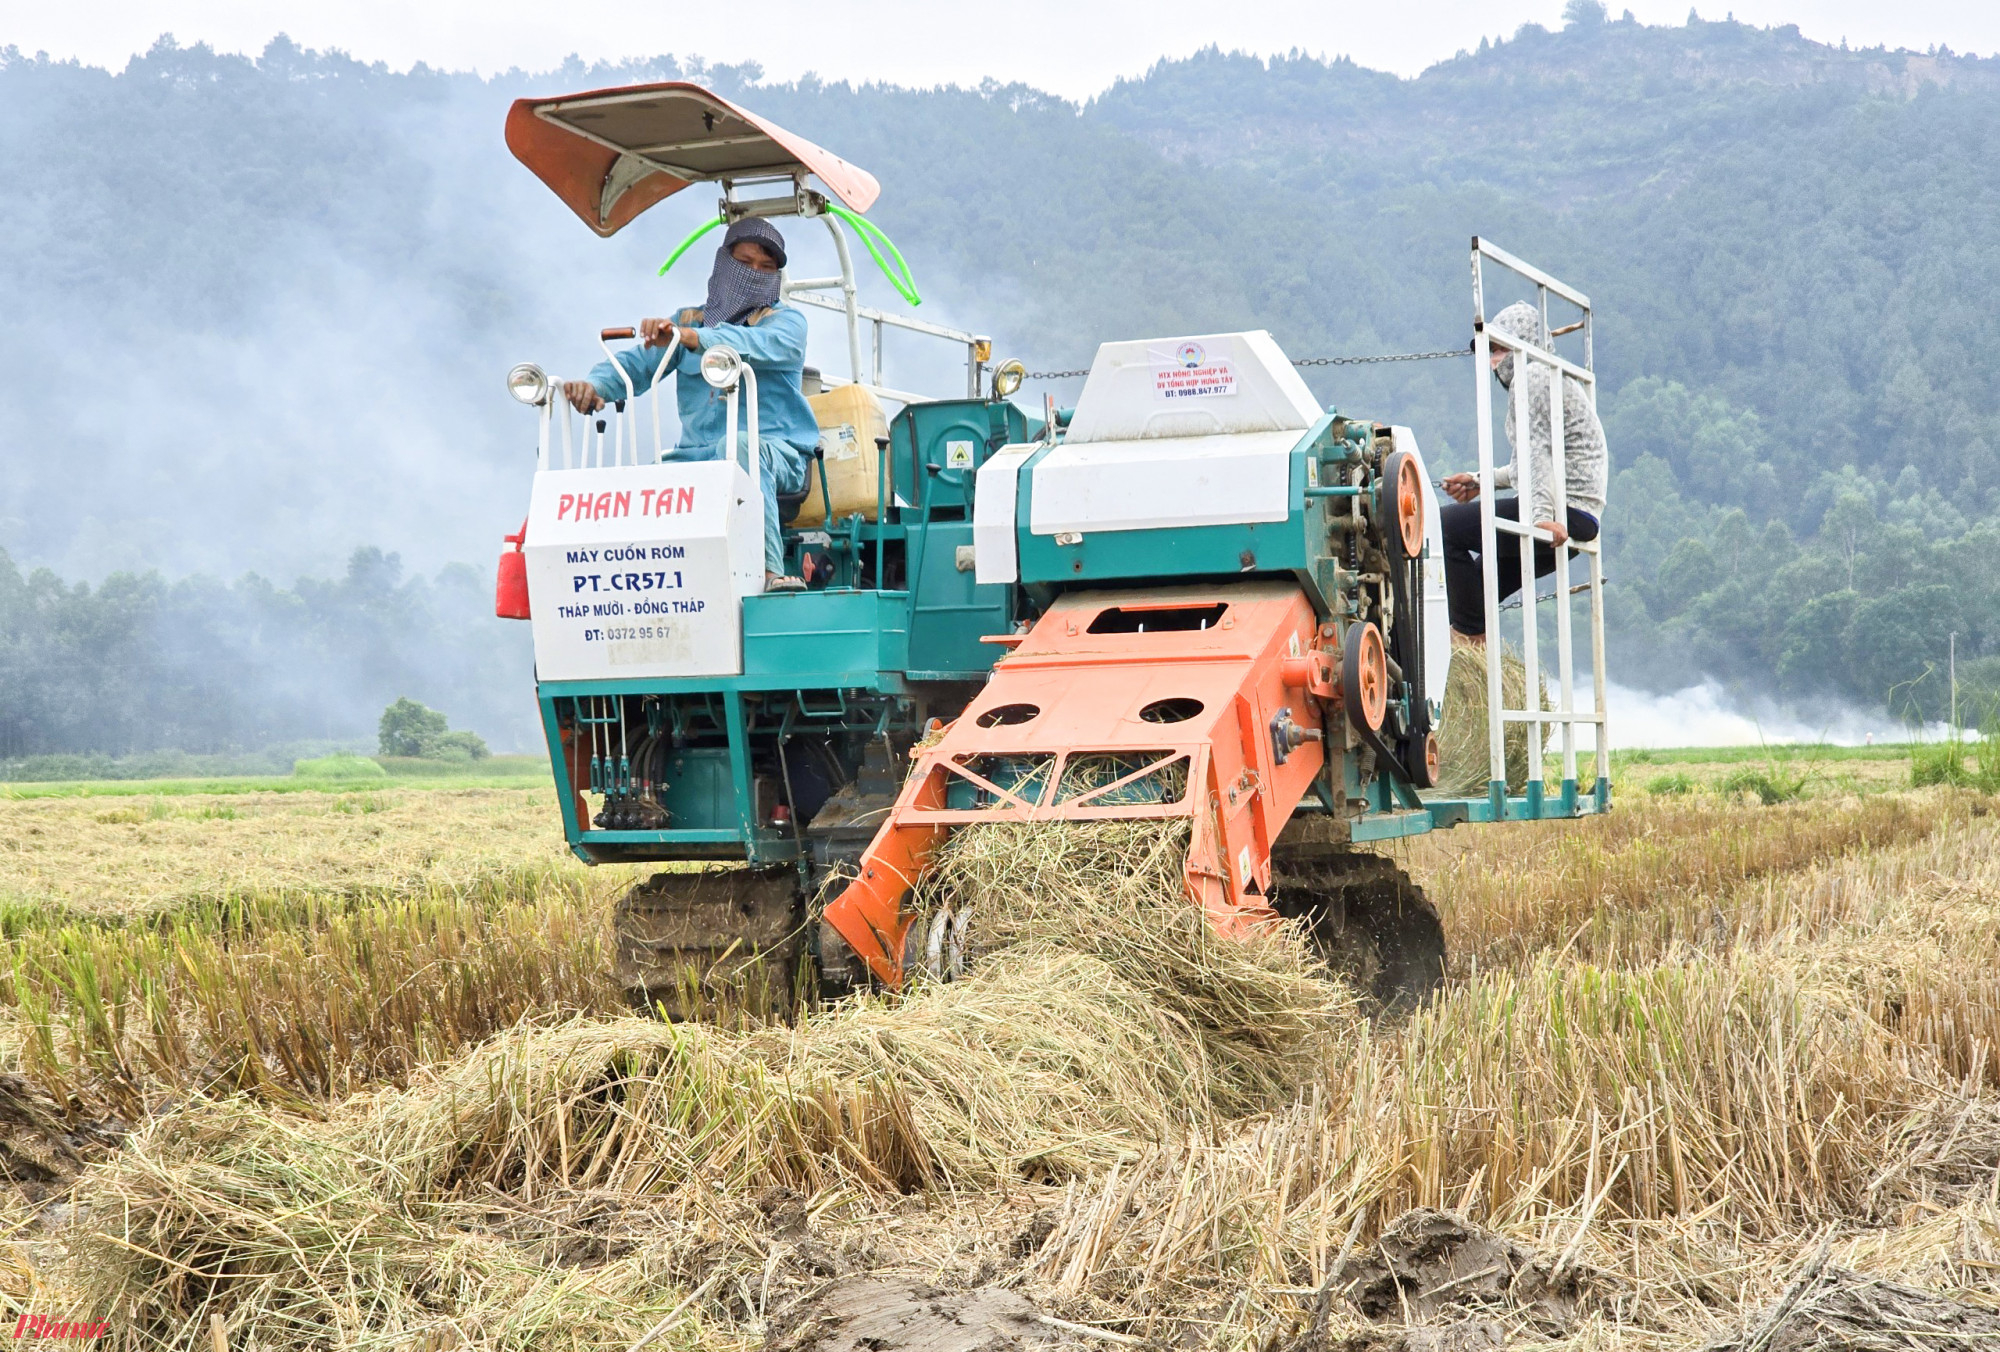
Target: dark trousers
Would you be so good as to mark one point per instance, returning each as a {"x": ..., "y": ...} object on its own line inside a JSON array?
[{"x": 1459, "y": 523}]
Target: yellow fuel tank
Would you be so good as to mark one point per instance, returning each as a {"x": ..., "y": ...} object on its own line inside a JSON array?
[{"x": 850, "y": 419}]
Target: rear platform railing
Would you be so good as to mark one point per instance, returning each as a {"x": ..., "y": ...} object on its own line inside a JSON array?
[{"x": 1564, "y": 717}]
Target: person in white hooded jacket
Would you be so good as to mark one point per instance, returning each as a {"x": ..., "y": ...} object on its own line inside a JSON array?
[{"x": 1585, "y": 465}]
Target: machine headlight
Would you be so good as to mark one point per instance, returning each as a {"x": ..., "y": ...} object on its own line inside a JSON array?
[
  {"x": 722, "y": 367},
  {"x": 528, "y": 383},
  {"x": 1007, "y": 378}
]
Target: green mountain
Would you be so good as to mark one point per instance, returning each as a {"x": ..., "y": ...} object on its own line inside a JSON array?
[
  {"x": 258, "y": 308},
  {"x": 1792, "y": 248}
]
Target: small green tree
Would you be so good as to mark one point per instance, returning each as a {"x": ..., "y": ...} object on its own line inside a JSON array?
[
  {"x": 408, "y": 726},
  {"x": 456, "y": 746},
  {"x": 410, "y": 729}
]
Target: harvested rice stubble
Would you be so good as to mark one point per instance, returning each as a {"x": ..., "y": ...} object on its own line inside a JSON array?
[{"x": 1102, "y": 1018}]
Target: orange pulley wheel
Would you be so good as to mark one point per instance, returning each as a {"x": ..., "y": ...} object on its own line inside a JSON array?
[
  {"x": 1364, "y": 675},
  {"x": 1403, "y": 484},
  {"x": 1430, "y": 762}
]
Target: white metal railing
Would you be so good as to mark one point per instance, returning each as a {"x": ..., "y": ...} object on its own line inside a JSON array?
[
  {"x": 806, "y": 293},
  {"x": 744, "y": 392},
  {"x": 1537, "y": 718},
  {"x": 613, "y": 437},
  {"x": 747, "y": 451}
]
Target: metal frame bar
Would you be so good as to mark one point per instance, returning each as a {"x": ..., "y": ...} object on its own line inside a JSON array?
[
  {"x": 1529, "y": 272},
  {"x": 958, "y": 767},
  {"x": 745, "y": 390},
  {"x": 625, "y": 408},
  {"x": 803, "y": 293},
  {"x": 589, "y": 454},
  {"x": 1538, "y": 718},
  {"x": 667, "y": 359},
  {"x": 794, "y": 291},
  {"x": 881, "y": 391},
  {"x": 1166, "y": 759},
  {"x": 847, "y": 303}
]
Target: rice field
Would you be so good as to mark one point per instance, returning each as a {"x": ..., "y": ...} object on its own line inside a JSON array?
[{"x": 346, "y": 1070}]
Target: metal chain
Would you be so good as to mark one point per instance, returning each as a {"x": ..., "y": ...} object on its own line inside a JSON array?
[
  {"x": 1303, "y": 361},
  {"x": 1393, "y": 356},
  {"x": 1579, "y": 589}
]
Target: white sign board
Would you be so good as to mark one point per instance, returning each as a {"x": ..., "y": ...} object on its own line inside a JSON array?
[
  {"x": 637, "y": 570},
  {"x": 1188, "y": 370},
  {"x": 1204, "y": 385}
]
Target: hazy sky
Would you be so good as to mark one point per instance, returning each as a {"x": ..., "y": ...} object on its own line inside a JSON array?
[{"x": 1072, "y": 47}]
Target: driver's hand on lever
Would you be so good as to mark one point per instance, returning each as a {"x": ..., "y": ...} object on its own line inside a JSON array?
[
  {"x": 582, "y": 396},
  {"x": 1462, "y": 487},
  {"x": 660, "y": 332}
]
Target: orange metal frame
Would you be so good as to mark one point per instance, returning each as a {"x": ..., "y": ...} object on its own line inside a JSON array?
[{"x": 1264, "y": 654}]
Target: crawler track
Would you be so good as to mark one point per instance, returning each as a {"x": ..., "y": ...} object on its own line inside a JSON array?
[
  {"x": 730, "y": 938},
  {"x": 1369, "y": 922}
]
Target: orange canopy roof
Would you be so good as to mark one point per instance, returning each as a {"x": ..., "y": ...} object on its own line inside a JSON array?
[{"x": 612, "y": 153}]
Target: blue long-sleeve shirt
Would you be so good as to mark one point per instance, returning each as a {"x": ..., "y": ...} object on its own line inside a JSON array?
[{"x": 775, "y": 347}]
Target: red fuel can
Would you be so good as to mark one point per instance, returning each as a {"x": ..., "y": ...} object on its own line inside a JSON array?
[{"x": 510, "y": 592}]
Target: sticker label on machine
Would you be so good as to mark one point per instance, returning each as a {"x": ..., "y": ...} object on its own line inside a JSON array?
[
  {"x": 1188, "y": 371},
  {"x": 840, "y": 443},
  {"x": 637, "y": 570}
]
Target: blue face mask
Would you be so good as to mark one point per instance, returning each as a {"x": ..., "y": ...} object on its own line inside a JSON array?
[{"x": 736, "y": 289}]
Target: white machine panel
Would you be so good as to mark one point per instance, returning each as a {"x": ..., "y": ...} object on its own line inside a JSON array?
[
  {"x": 996, "y": 499},
  {"x": 637, "y": 570},
  {"x": 1212, "y": 384},
  {"x": 1178, "y": 481}
]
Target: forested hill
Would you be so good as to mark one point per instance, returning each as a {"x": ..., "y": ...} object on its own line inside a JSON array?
[
  {"x": 1796, "y": 250},
  {"x": 258, "y": 308}
]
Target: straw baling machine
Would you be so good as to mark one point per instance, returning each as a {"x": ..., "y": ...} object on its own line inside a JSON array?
[{"x": 1198, "y": 594}]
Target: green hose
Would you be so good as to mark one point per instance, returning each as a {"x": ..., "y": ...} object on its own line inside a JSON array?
[
  {"x": 687, "y": 244},
  {"x": 899, "y": 277},
  {"x": 870, "y": 234}
]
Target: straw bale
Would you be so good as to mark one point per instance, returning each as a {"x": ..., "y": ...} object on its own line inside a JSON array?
[
  {"x": 228, "y": 1212},
  {"x": 1465, "y": 761},
  {"x": 1102, "y": 1014},
  {"x": 1259, "y": 1005}
]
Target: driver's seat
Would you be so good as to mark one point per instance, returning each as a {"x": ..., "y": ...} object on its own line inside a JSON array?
[{"x": 790, "y": 503}]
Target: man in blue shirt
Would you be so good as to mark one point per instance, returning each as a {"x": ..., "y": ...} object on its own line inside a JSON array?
[{"x": 743, "y": 311}]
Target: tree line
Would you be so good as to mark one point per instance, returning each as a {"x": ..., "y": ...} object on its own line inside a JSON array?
[{"x": 139, "y": 664}]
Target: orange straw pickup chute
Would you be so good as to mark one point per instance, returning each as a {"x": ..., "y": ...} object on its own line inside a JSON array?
[{"x": 1205, "y": 703}]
